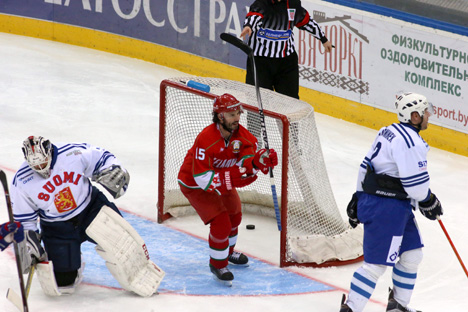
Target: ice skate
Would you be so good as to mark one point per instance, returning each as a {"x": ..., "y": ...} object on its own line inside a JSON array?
[
  {"x": 394, "y": 306},
  {"x": 222, "y": 275},
  {"x": 238, "y": 258},
  {"x": 344, "y": 306}
]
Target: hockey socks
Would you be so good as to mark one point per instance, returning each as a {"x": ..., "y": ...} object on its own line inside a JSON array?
[
  {"x": 363, "y": 284},
  {"x": 404, "y": 275},
  {"x": 218, "y": 240}
]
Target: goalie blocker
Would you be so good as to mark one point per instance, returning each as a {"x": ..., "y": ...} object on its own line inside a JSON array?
[{"x": 125, "y": 253}]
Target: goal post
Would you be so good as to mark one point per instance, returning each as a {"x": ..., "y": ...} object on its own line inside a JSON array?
[{"x": 313, "y": 230}]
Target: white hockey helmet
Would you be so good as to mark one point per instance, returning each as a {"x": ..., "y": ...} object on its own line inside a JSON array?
[
  {"x": 38, "y": 153},
  {"x": 409, "y": 102}
]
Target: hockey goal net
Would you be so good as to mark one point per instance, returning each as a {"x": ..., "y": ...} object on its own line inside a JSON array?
[{"x": 313, "y": 230}]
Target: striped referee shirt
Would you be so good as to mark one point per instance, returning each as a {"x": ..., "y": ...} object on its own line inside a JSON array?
[{"x": 272, "y": 26}]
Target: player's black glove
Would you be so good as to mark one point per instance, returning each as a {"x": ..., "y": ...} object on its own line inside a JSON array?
[
  {"x": 351, "y": 210},
  {"x": 431, "y": 208}
]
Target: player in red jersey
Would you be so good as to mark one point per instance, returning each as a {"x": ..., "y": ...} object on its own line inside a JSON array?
[{"x": 222, "y": 158}]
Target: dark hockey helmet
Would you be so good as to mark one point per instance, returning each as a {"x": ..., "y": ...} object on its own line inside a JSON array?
[
  {"x": 38, "y": 153},
  {"x": 409, "y": 102},
  {"x": 226, "y": 103}
]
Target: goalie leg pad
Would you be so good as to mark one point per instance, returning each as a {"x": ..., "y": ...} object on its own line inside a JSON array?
[
  {"x": 45, "y": 274},
  {"x": 125, "y": 253}
]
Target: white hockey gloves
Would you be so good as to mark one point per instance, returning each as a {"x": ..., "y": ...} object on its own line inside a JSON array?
[
  {"x": 114, "y": 179},
  {"x": 30, "y": 250},
  {"x": 125, "y": 253}
]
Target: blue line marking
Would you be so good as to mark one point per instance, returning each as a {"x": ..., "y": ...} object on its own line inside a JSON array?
[{"x": 185, "y": 258}]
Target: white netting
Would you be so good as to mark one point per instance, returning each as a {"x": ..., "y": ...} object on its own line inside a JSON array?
[{"x": 315, "y": 230}]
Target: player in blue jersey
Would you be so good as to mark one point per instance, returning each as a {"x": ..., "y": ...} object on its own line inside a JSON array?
[
  {"x": 393, "y": 180},
  {"x": 54, "y": 185}
]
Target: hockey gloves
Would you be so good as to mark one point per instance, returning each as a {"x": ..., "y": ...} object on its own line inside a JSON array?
[
  {"x": 351, "y": 210},
  {"x": 10, "y": 232},
  {"x": 264, "y": 161},
  {"x": 431, "y": 208},
  {"x": 236, "y": 177},
  {"x": 30, "y": 250},
  {"x": 114, "y": 179},
  {"x": 231, "y": 178}
]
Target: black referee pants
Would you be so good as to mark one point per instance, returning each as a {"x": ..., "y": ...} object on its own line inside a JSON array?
[{"x": 278, "y": 74}]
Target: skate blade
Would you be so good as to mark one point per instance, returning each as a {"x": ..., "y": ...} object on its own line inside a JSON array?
[
  {"x": 225, "y": 283},
  {"x": 240, "y": 265}
]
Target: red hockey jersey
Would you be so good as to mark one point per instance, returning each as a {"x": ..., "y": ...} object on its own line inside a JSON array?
[{"x": 211, "y": 154}]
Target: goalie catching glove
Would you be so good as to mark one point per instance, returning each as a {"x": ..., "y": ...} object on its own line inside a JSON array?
[
  {"x": 264, "y": 160},
  {"x": 431, "y": 208},
  {"x": 231, "y": 178},
  {"x": 31, "y": 250},
  {"x": 114, "y": 179}
]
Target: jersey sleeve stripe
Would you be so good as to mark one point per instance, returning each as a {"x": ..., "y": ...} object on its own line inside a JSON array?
[
  {"x": 416, "y": 183},
  {"x": 27, "y": 217},
  {"x": 186, "y": 185},
  {"x": 102, "y": 161},
  {"x": 415, "y": 180},
  {"x": 415, "y": 176},
  {"x": 365, "y": 162},
  {"x": 23, "y": 172}
]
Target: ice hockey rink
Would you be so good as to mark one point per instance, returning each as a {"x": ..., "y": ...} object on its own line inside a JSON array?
[{"x": 72, "y": 94}]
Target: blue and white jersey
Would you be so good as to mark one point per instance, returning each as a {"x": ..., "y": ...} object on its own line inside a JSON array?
[
  {"x": 67, "y": 191},
  {"x": 400, "y": 152}
]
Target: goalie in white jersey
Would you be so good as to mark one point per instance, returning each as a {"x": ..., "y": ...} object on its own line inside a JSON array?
[
  {"x": 53, "y": 184},
  {"x": 393, "y": 179}
]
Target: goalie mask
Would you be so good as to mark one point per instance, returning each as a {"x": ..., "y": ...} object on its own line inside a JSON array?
[
  {"x": 408, "y": 102},
  {"x": 226, "y": 103},
  {"x": 38, "y": 153}
]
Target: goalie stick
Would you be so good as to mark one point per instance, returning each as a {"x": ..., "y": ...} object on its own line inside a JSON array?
[
  {"x": 14, "y": 297},
  {"x": 24, "y": 298},
  {"x": 229, "y": 38}
]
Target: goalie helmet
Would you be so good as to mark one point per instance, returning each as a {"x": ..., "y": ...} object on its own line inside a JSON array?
[
  {"x": 38, "y": 153},
  {"x": 226, "y": 103},
  {"x": 409, "y": 102}
]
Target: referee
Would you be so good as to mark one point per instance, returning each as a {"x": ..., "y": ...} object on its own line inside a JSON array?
[{"x": 269, "y": 25}]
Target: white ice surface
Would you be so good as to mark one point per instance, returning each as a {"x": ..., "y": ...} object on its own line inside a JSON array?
[{"x": 72, "y": 94}]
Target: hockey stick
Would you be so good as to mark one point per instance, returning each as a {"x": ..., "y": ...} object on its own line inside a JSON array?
[
  {"x": 14, "y": 297},
  {"x": 229, "y": 38},
  {"x": 4, "y": 182},
  {"x": 453, "y": 246}
]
